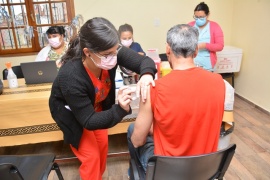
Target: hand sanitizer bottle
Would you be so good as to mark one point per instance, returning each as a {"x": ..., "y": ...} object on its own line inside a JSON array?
[{"x": 11, "y": 77}]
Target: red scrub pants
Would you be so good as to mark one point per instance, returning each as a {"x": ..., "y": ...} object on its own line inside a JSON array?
[{"x": 92, "y": 153}]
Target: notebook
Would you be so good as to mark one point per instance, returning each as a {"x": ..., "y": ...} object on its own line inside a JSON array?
[{"x": 39, "y": 72}]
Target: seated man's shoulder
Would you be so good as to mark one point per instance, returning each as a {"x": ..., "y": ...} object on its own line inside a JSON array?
[{"x": 211, "y": 74}]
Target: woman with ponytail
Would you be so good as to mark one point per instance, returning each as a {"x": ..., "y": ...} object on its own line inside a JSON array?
[{"x": 82, "y": 100}]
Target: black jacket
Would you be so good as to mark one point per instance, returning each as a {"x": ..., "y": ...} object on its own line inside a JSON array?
[{"x": 74, "y": 88}]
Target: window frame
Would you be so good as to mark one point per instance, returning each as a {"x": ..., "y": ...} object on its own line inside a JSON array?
[{"x": 30, "y": 14}]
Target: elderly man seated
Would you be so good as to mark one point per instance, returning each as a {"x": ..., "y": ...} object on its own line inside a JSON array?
[{"x": 183, "y": 113}]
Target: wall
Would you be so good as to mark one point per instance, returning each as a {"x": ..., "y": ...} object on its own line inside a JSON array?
[
  {"x": 151, "y": 19},
  {"x": 250, "y": 31}
]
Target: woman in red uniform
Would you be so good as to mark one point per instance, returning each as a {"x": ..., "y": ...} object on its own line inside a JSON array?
[{"x": 82, "y": 100}]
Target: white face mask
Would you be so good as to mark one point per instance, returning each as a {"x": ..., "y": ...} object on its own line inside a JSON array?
[
  {"x": 127, "y": 43},
  {"x": 55, "y": 42}
]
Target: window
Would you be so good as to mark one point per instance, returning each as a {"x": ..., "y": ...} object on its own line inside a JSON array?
[{"x": 23, "y": 23}]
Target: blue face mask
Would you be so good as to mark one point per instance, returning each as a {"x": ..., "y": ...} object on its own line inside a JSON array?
[{"x": 200, "y": 21}]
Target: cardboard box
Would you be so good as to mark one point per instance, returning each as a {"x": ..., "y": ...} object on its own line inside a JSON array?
[{"x": 228, "y": 60}]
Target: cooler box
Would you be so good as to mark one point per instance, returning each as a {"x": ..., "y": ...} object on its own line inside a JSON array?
[{"x": 228, "y": 60}]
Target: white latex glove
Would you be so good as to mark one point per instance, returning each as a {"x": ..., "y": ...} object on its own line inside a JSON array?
[
  {"x": 124, "y": 97},
  {"x": 142, "y": 84}
]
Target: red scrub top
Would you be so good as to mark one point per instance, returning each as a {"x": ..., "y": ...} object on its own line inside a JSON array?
[{"x": 102, "y": 87}]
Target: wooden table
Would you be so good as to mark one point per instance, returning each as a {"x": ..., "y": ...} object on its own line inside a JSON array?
[{"x": 25, "y": 117}]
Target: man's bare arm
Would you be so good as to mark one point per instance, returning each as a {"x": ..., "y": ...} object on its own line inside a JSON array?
[{"x": 143, "y": 122}]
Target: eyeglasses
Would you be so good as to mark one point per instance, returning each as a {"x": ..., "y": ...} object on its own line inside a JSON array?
[
  {"x": 117, "y": 50},
  {"x": 201, "y": 18},
  {"x": 119, "y": 47}
]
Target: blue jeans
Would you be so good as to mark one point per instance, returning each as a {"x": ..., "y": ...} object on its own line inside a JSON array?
[{"x": 142, "y": 153}]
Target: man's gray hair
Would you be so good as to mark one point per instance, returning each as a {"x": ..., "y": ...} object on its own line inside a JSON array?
[{"x": 183, "y": 40}]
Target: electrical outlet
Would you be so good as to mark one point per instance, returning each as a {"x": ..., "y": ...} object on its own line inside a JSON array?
[{"x": 156, "y": 22}]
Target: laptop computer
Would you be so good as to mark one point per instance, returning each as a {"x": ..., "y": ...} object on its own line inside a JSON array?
[{"x": 39, "y": 72}]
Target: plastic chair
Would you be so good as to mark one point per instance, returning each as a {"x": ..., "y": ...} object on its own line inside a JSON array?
[
  {"x": 1, "y": 87},
  {"x": 205, "y": 166},
  {"x": 33, "y": 166},
  {"x": 16, "y": 69}
]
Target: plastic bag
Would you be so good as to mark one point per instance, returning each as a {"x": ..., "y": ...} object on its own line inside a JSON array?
[{"x": 229, "y": 97}]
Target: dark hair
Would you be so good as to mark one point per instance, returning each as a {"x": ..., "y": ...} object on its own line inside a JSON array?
[
  {"x": 202, "y": 7},
  {"x": 125, "y": 27},
  {"x": 56, "y": 30},
  {"x": 97, "y": 34}
]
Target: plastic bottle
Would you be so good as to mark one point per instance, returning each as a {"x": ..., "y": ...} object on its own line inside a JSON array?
[
  {"x": 153, "y": 54},
  {"x": 118, "y": 80},
  {"x": 11, "y": 77}
]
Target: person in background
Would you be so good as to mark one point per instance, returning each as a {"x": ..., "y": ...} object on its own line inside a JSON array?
[
  {"x": 211, "y": 38},
  {"x": 183, "y": 118},
  {"x": 56, "y": 48},
  {"x": 82, "y": 100},
  {"x": 126, "y": 36}
]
